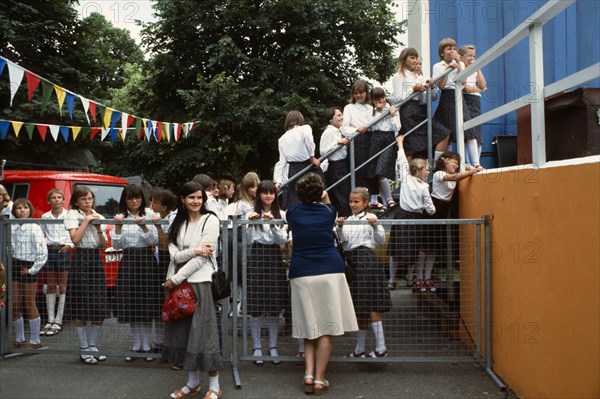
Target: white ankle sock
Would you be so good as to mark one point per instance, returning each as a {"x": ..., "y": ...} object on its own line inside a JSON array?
[
  {"x": 361, "y": 337},
  {"x": 193, "y": 380},
  {"x": 379, "y": 336},
  {"x": 19, "y": 328},
  {"x": 213, "y": 383},
  {"x": 50, "y": 305},
  {"x": 34, "y": 330}
]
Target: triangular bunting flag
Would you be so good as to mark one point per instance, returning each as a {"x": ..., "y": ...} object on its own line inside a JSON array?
[
  {"x": 159, "y": 131},
  {"x": 4, "y": 129},
  {"x": 42, "y": 130},
  {"x": 64, "y": 132},
  {"x": 60, "y": 96},
  {"x": 106, "y": 117},
  {"x": 114, "y": 119},
  {"x": 70, "y": 98},
  {"x": 29, "y": 129},
  {"x": 75, "y": 130},
  {"x": 177, "y": 131},
  {"x": 33, "y": 82},
  {"x": 2, "y": 65},
  {"x": 138, "y": 128},
  {"x": 113, "y": 134},
  {"x": 93, "y": 111},
  {"x": 94, "y": 131},
  {"x": 15, "y": 74},
  {"x": 46, "y": 94},
  {"x": 54, "y": 131},
  {"x": 86, "y": 105},
  {"x": 104, "y": 134},
  {"x": 16, "y": 127},
  {"x": 149, "y": 129},
  {"x": 167, "y": 130}
]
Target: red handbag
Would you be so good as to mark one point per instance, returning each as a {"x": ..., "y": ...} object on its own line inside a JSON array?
[{"x": 180, "y": 302}]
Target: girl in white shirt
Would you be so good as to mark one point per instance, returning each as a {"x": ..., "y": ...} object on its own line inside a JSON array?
[
  {"x": 138, "y": 293},
  {"x": 296, "y": 152},
  {"x": 337, "y": 163},
  {"x": 267, "y": 287},
  {"x": 194, "y": 341},
  {"x": 370, "y": 295},
  {"x": 443, "y": 185},
  {"x": 446, "y": 110},
  {"x": 407, "y": 243},
  {"x": 357, "y": 116},
  {"x": 59, "y": 260},
  {"x": 474, "y": 86},
  {"x": 29, "y": 254},
  {"x": 88, "y": 281},
  {"x": 405, "y": 82}
]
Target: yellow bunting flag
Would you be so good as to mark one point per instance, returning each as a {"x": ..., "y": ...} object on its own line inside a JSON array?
[
  {"x": 17, "y": 127},
  {"x": 60, "y": 95},
  {"x": 107, "y": 118},
  {"x": 75, "y": 130}
]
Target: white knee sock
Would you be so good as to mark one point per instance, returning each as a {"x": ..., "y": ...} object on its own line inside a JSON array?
[
  {"x": 213, "y": 383},
  {"x": 429, "y": 265},
  {"x": 392, "y": 270},
  {"x": 19, "y": 328},
  {"x": 273, "y": 323},
  {"x": 34, "y": 330},
  {"x": 379, "y": 336},
  {"x": 255, "y": 329},
  {"x": 385, "y": 190},
  {"x": 420, "y": 265},
  {"x": 361, "y": 337},
  {"x": 82, "y": 334},
  {"x": 61, "y": 308},
  {"x": 473, "y": 152},
  {"x": 145, "y": 332},
  {"x": 50, "y": 305},
  {"x": 94, "y": 335},
  {"x": 136, "y": 332}
]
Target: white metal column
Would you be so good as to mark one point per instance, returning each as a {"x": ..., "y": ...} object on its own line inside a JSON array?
[{"x": 536, "y": 73}]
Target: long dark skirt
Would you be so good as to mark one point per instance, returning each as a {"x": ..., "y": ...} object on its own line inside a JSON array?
[
  {"x": 194, "y": 341},
  {"x": 87, "y": 292},
  {"x": 362, "y": 143},
  {"x": 406, "y": 240},
  {"x": 267, "y": 288},
  {"x": 369, "y": 289},
  {"x": 473, "y": 103},
  {"x": 288, "y": 198},
  {"x": 411, "y": 114},
  {"x": 438, "y": 233},
  {"x": 446, "y": 113},
  {"x": 384, "y": 164},
  {"x": 340, "y": 194},
  {"x": 139, "y": 291}
]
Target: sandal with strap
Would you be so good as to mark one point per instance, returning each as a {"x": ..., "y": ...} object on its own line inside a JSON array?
[
  {"x": 273, "y": 352},
  {"x": 212, "y": 394},
  {"x": 99, "y": 358},
  {"x": 179, "y": 394},
  {"x": 47, "y": 330},
  {"x": 308, "y": 388},
  {"x": 320, "y": 391},
  {"x": 56, "y": 328},
  {"x": 87, "y": 359}
]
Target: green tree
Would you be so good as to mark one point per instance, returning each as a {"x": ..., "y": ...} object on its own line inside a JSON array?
[{"x": 238, "y": 66}]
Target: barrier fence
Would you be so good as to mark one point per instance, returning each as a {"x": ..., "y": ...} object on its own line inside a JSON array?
[{"x": 446, "y": 320}]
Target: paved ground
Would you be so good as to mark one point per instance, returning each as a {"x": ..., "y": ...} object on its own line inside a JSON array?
[{"x": 64, "y": 376}]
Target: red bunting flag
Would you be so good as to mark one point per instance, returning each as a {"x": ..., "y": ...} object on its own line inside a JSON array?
[
  {"x": 159, "y": 130},
  {"x": 93, "y": 112},
  {"x": 33, "y": 82},
  {"x": 95, "y": 130},
  {"x": 42, "y": 129}
]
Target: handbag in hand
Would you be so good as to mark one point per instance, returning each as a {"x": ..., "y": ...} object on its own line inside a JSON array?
[
  {"x": 180, "y": 302},
  {"x": 220, "y": 284}
]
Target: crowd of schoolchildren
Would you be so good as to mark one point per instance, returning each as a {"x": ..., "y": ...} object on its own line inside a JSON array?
[{"x": 159, "y": 255}]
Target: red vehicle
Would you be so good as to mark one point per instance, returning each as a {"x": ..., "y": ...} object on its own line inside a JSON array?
[{"x": 35, "y": 184}]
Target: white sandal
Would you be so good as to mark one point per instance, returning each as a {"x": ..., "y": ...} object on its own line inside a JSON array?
[
  {"x": 87, "y": 359},
  {"x": 99, "y": 358},
  {"x": 47, "y": 330},
  {"x": 56, "y": 328}
]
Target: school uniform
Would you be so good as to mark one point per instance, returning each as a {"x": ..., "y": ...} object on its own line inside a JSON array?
[
  {"x": 139, "y": 292},
  {"x": 356, "y": 115},
  {"x": 473, "y": 103},
  {"x": 415, "y": 201},
  {"x": 87, "y": 281},
  {"x": 369, "y": 289},
  {"x": 28, "y": 251},
  {"x": 337, "y": 168},
  {"x": 446, "y": 110},
  {"x": 296, "y": 147},
  {"x": 383, "y": 134},
  {"x": 413, "y": 112},
  {"x": 441, "y": 194},
  {"x": 267, "y": 286},
  {"x": 56, "y": 238}
]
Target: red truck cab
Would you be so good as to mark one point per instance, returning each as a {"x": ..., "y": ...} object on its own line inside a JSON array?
[{"x": 35, "y": 184}]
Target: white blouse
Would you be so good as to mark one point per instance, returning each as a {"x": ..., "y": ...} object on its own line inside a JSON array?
[
  {"x": 356, "y": 235},
  {"x": 328, "y": 142},
  {"x": 403, "y": 85},
  {"x": 28, "y": 244},
  {"x": 414, "y": 193},
  {"x": 389, "y": 124},
  {"x": 266, "y": 233},
  {"x": 132, "y": 235},
  {"x": 442, "y": 189},
  {"x": 440, "y": 67},
  {"x": 356, "y": 115},
  {"x": 55, "y": 233},
  {"x": 90, "y": 236}
]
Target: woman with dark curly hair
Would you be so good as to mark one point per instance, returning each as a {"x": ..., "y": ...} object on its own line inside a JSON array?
[{"x": 321, "y": 302}]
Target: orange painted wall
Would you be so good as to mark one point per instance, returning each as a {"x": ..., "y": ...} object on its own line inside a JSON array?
[{"x": 545, "y": 266}]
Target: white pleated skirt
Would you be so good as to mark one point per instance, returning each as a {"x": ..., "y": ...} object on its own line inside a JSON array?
[{"x": 321, "y": 305}]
